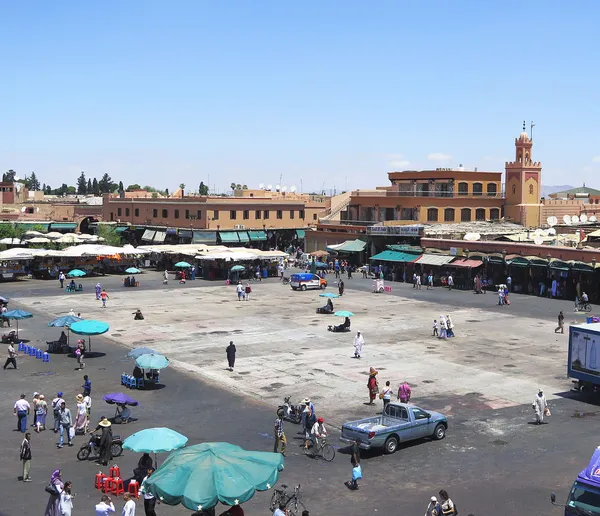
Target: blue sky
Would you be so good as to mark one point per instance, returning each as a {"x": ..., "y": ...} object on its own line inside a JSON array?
[{"x": 330, "y": 94}]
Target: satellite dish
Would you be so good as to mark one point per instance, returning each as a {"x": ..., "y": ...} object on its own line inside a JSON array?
[
  {"x": 23, "y": 209},
  {"x": 283, "y": 188},
  {"x": 261, "y": 186},
  {"x": 552, "y": 231},
  {"x": 593, "y": 218},
  {"x": 269, "y": 187},
  {"x": 567, "y": 220},
  {"x": 583, "y": 218},
  {"x": 277, "y": 187},
  {"x": 552, "y": 221},
  {"x": 574, "y": 219},
  {"x": 293, "y": 188},
  {"x": 538, "y": 241}
]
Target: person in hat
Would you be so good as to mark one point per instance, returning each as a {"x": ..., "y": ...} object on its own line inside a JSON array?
[
  {"x": 540, "y": 406},
  {"x": 41, "y": 411},
  {"x": 105, "y": 452},
  {"x": 359, "y": 342},
  {"x": 433, "y": 507},
  {"x": 372, "y": 385},
  {"x": 318, "y": 433},
  {"x": 81, "y": 420},
  {"x": 279, "y": 434}
]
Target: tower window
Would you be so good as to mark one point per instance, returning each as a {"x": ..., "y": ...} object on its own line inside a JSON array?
[
  {"x": 465, "y": 215},
  {"x": 477, "y": 188},
  {"x": 491, "y": 189},
  {"x": 514, "y": 189},
  {"x": 530, "y": 189},
  {"x": 432, "y": 215},
  {"x": 480, "y": 214},
  {"x": 449, "y": 215}
]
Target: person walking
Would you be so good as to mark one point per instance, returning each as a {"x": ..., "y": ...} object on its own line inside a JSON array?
[
  {"x": 81, "y": 421},
  {"x": 450, "y": 329},
  {"x": 12, "y": 357},
  {"x": 279, "y": 434},
  {"x": 87, "y": 385},
  {"x": 149, "y": 500},
  {"x": 418, "y": 282},
  {"x": 41, "y": 412},
  {"x": 66, "y": 499},
  {"x": 165, "y": 277},
  {"x": 53, "y": 505},
  {"x": 561, "y": 323},
  {"x": 105, "y": 451},
  {"x": 230, "y": 350},
  {"x": 372, "y": 385},
  {"x": 66, "y": 422},
  {"x": 105, "y": 507},
  {"x": 430, "y": 281},
  {"x": 103, "y": 297},
  {"x": 450, "y": 282},
  {"x": 446, "y": 504},
  {"x": 240, "y": 291},
  {"x": 56, "y": 403},
  {"x": 509, "y": 283},
  {"x": 21, "y": 410},
  {"x": 355, "y": 461},
  {"x": 359, "y": 342},
  {"x": 79, "y": 355},
  {"x": 435, "y": 329},
  {"x": 248, "y": 290},
  {"x": 443, "y": 327},
  {"x": 540, "y": 406},
  {"x": 341, "y": 287},
  {"x": 386, "y": 394},
  {"x": 129, "y": 507},
  {"x": 98, "y": 290},
  {"x": 404, "y": 392},
  {"x": 61, "y": 279},
  {"x": 25, "y": 455}
]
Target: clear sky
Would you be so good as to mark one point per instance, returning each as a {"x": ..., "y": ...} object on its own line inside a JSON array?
[{"x": 330, "y": 94}]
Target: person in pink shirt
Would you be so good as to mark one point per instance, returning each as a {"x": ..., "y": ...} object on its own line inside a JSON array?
[{"x": 404, "y": 392}]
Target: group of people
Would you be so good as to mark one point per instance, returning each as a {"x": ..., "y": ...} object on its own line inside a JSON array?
[
  {"x": 442, "y": 507},
  {"x": 445, "y": 328},
  {"x": 243, "y": 293},
  {"x": 101, "y": 294},
  {"x": 404, "y": 390}
]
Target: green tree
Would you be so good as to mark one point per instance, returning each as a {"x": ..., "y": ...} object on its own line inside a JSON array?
[
  {"x": 154, "y": 195},
  {"x": 109, "y": 233},
  {"x": 244, "y": 187},
  {"x": 202, "y": 189},
  {"x": 105, "y": 184},
  {"x": 96, "y": 187},
  {"x": 182, "y": 186},
  {"x": 71, "y": 190},
  {"x": 82, "y": 184},
  {"x": 232, "y": 186},
  {"x": 7, "y": 230},
  {"x": 89, "y": 186},
  {"x": 121, "y": 188},
  {"x": 149, "y": 188},
  {"x": 133, "y": 187},
  {"x": 9, "y": 176},
  {"x": 48, "y": 190}
]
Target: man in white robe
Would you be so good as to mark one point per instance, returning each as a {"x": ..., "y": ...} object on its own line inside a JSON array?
[
  {"x": 540, "y": 405},
  {"x": 358, "y": 344}
]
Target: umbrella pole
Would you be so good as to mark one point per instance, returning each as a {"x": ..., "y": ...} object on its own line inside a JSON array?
[
  {"x": 90, "y": 343},
  {"x": 17, "y": 329}
]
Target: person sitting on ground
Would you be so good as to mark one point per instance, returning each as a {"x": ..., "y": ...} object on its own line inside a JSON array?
[
  {"x": 123, "y": 413},
  {"x": 327, "y": 309},
  {"x": 138, "y": 315},
  {"x": 126, "y": 282},
  {"x": 72, "y": 284},
  {"x": 345, "y": 326}
]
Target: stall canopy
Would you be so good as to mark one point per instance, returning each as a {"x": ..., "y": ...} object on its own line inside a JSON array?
[
  {"x": 204, "y": 237},
  {"x": 471, "y": 264},
  {"x": 148, "y": 235},
  {"x": 300, "y": 233},
  {"x": 160, "y": 237},
  {"x": 243, "y": 236},
  {"x": 559, "y": 265},
  {"x": 257, "y": 236},
  {"x": 581, "y": 266},
  {"x": 63, "y": 226},
  {"x": 536, "y": 261},
  {"x": 517, "y": 261},
  {"x": 434, "y": 259},
  {"x": 395, "y": 256},
  {"x": 229, "y": 236},
  {"x": 349, "y": 246}
]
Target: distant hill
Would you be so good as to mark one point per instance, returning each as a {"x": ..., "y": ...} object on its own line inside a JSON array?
[{"x": 547, "y": 190}]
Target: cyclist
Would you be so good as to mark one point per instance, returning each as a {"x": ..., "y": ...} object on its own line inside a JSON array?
[{"x": 318, "y": 433}]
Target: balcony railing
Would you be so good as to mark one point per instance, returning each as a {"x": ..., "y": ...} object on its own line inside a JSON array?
[{"x": 467, "y": 195}]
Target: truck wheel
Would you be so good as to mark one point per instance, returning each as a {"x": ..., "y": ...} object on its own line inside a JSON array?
[
  {"x": 303, "y": 287},
  {"x": 440, "y": 432},
  {"x": 391, "y": 445}
]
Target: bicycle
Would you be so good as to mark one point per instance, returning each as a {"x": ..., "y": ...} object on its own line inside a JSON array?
[
  {"x": 323, "y": 450},
  {"x": 584, "y": 307},
  {"x": 293, "y": 505}
]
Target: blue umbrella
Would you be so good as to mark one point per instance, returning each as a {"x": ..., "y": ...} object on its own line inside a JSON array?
[
  {"x": 89, "y": 327},
  {"x": 17, "y": 315},
  {"x": 330, "y": 295},
  {"x": 119, "y": 398},
  {"x": 138, "y": 352},
  {"x": 343, "y": 313},
  {"x": 65, "y": 321},
  {"x": 76, "y": 273},
  {"x": 152, "y": 361},
  {"x": 132, "y": 270}
]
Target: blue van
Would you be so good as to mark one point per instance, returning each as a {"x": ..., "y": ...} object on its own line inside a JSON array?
[{"x": 307, "y": 280}]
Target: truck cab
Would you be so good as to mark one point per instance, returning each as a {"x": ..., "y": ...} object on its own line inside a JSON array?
[{"x": 584, "y": 497}]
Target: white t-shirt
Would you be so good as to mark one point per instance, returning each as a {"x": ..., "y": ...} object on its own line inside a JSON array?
[
  {"x": 102, "y": 509},
  {"x": 129, "y": 509},
  {"x": 318, "y": 429},
  {"x": 278, "y": 512},
  {"x": 22, "y": 405},
  {"x": 88, "y": 402},
  {"x": 240, "y": 289}
]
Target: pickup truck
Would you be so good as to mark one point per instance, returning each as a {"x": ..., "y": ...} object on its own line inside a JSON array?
[{"x": 398, "y": 423}]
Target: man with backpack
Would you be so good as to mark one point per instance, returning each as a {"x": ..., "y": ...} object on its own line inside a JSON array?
[{"x": 56, "y": 410}]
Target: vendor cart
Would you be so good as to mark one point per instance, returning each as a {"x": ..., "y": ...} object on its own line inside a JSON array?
[{"x": 378, "y": 286}]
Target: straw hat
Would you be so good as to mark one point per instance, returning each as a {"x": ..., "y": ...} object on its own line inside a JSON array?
[
  {"x": 41, "y": 396},
  {"x": 79, "y": 397},
  {"x": 104, "y": 423},
  {"x": 306, "y": 401},
  {"x": 373, "y": 371}
]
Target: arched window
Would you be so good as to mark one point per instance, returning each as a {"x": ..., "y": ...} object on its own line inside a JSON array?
[
  {"x": 492, "y": 189},
  {"x": 432, "y": 215},
  {"x": 477, "y": 189},
  {"x": 463, "y": 188},
  {"x": 494, "y": 214},
  {"x": 449, "y": 215},
  {"x": 480, "y": 214},
  {"x": 530, "y": 189},
  {"x": 465, "y": 214},
  {"x": 514, "y": 189},
  {"x": 526, "y": 157}
]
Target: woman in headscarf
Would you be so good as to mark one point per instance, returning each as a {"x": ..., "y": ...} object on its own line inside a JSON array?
[
  {"x": 53, "y": 507},
  {"x": 98, "y": 290},
  {"x": 81, "y": 417},
  {"x": 41, "y": 411},
  {"x": 443, "y": 327},
  {"x": 105, "y": 442},
  {"x": 372, "y": 385},
  {"x": 450, "y": 324}
]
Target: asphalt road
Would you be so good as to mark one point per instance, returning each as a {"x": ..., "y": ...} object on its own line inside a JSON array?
[{"x": 511, "y": 474}]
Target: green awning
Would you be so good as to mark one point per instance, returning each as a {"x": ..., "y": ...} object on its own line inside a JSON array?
[
  {"x": 581, "y": 266},
  {"x": 229, "y": 236},
  {"x": 518, "y": 262},
  {"x": 63, "y": 225},
  {"x": 536, "y": 261},
  {"x": 395, "y": 256},
  {"x": 257, "y": 236},
  {"x": 204, "y": 237},
  {"x": 559, "y": 265},
  {"x": 300, "y": 233},
  {"x": 349, "y": 246},
  {"x": 121, "y": 229},
  {"x": 243, "y": 236},
  {"x": 30, "y": 225},
  {"x": 492, "y": 259}
]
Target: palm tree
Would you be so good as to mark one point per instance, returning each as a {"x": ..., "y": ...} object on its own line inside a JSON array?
[
  {"x": 182, "y": 186},
  {"x": 232, "y": 186}
]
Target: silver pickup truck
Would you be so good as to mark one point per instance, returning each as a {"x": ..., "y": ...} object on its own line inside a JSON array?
[{"x": 399, "y": 423}]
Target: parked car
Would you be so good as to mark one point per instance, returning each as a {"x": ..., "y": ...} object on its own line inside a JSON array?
[
  {"x": 302, "y": 281},
  {"x": 399, "y": 423}
]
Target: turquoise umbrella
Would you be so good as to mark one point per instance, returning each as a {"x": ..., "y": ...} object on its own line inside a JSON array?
[
  {"x": 329, "y": 295},
  {"x": 343, "y": 313},
  {"x": 182, "y": 264},
  {"x": 238, "y": 268},
  {"x": 76, "y": 273},
  {"x": 132, "y": 270},
  {"x": 155, "y": 440},
  {"x": 89, "y": 327},
  {"x": 152, "y": 361},
  {"x": 17, "y": 315},
  {"x": 203, "y": 475}
]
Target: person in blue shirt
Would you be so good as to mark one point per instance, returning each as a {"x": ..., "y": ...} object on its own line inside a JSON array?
[{"x": 87, "y": 386}]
